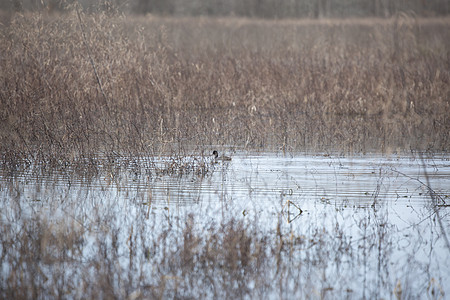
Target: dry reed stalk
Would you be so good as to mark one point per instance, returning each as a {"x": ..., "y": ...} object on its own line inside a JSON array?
[{"x": 354, "y": 85}]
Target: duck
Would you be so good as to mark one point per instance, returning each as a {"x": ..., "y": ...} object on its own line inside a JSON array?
[{"x": 221, "y": 158}]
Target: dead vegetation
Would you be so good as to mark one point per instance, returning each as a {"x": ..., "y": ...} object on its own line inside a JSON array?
[
  {"x": 84, "y": 94},
  {"x": 83, "y": 242},
  {"x": 100, "y": 257},
  {"x": 74, "y": 87}
]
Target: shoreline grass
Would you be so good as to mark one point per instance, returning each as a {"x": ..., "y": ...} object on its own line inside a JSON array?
[
  {"x": 168, "y": 85},
  {"x": 99, "y": 247},
  {"x": 98, "y": 94}
]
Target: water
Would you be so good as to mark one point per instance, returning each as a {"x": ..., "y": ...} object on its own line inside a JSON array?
[{"x": 379, "y": 207}]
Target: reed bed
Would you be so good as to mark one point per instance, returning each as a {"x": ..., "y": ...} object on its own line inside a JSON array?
[
  {"x": 102, "y": 98},
  {"x": 77, "y": 85},
  {"x": 83, "y": 242},
  {"x": 99, "y": 253}
]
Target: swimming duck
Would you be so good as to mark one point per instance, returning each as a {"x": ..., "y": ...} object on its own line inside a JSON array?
[{"x": 222, "y": 158}]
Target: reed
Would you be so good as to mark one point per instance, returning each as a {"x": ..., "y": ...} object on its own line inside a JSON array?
[
  {"x": 74, "y": 86},
  {"x": 101, "y": 98},
  {"x": 98, "y": 253}
]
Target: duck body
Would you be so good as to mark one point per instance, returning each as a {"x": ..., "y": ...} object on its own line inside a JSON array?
[{"x": 221, "y": 158}]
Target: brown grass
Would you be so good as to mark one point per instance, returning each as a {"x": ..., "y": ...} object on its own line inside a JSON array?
[
  {"x": 231, "y": 259},
  {"x": 166, "y": 85},
  {"x": 73, "y": 91},
  {"x": 96, "y": 250}
]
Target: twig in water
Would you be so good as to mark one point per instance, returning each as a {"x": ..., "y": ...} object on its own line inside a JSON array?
[{"x": 434, "y": 203}]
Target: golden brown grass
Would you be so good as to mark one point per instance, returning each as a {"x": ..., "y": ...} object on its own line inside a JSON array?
[{"x": 150, "y": 85}]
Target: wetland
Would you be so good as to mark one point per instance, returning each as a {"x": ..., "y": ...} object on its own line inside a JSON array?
[{"x": 338, "y": 133}]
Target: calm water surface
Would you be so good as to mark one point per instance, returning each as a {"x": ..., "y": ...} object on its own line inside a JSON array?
[{"x": 354, "y": 193}]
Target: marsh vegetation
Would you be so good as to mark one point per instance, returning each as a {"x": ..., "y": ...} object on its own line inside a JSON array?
[
  {"x": 109, "y": 190},
  {"x": 264, "y": 226},
  {"x": 75, "y": 87}
]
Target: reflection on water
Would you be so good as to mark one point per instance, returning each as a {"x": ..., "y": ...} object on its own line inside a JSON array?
[{"x": 352, "y": 199}]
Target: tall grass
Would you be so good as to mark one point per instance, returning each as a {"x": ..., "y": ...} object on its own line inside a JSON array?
[
  {"x": 75, "y": 87},
  {"x": 83, "y": 242},
  {"x": 81, "y": 90}
]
